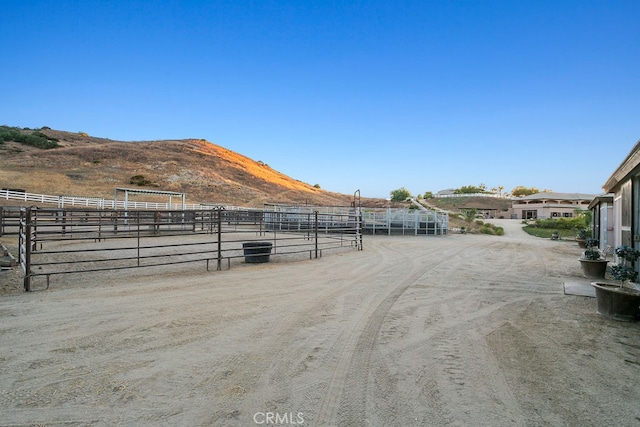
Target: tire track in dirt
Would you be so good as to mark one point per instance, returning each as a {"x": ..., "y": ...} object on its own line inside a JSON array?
[
  {"x": 458, "y": 374},
  {"x": 348, "y": 397},
  {"x": 446, "y": 363},
  {"x": 307, "y": 337},
  {"x": 439, "y": 363},
  {"x": 269, "y": 369}
]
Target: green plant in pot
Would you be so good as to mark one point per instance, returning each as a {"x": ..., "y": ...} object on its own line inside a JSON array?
[
  {"x": 620, "y": 301},
  {"x": 594, "y": 265},
  {"x": 625, "y": 271}
]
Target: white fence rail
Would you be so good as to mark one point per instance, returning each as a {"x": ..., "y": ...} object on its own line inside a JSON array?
[
  {"x": 497, "y": 196},
  {"x": 99, "y": 203}
]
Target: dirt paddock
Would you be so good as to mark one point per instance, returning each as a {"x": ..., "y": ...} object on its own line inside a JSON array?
[{"x": 462, "y": 330}]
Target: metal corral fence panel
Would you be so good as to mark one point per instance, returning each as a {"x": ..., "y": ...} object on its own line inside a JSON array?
[
  {"x": 62, "y": 241},
  {"x": 389, "y": 221},
  {"x": 404, "y": 222},
  {"x": 9, "y": 220}
]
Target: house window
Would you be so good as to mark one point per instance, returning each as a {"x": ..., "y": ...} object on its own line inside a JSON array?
[
  {"x": 555, "y": 214},
  {"x": 568, "y": 214},
  {"x": 531, "y": 214}
]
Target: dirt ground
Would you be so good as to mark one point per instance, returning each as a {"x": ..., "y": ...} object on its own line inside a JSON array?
[{"x": 459, "y": 330}]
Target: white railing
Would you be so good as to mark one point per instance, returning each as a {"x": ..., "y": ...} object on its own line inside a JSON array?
[
  {"x": 99, "y": 203},
  {"x": 497, "y": 196}
]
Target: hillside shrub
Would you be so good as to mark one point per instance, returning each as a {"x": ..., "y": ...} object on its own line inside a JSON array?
[
  {"x": 400, "y": 195},
  {"x": 139, "y": 180},
  {"x": 35, "y": 138},
  {"x": 471, "y": 189}
]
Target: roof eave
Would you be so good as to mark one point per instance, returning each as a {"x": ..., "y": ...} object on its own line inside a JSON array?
[{"x": 627, "y": 166}]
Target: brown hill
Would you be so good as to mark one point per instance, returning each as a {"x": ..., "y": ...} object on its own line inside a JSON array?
[{"x": 88, "y": 166}]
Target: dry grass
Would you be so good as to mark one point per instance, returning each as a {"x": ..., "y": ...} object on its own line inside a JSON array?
[{"x": 206, "y": 172}]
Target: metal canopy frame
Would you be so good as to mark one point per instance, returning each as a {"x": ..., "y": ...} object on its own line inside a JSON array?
[{"x": 128, "y": 191}]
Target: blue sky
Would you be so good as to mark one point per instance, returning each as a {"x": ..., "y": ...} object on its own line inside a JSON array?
[{"x": 369, "y": 95}]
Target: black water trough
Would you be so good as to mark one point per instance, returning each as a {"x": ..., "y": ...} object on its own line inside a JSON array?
[{"x": 255, "y": 252}]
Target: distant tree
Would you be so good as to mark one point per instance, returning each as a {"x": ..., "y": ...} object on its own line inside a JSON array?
[
  {"x": 521, "y": 191},
  {"x": 497, "y": 190},
  {"x": 428, "y": 195},
  {"x": 400, "y": 195},
  {"x": 316, "y": 186},
  {"x": 470, "y": 217}
]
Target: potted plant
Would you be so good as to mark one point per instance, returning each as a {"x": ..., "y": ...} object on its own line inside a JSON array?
[
  {"x": 620, "y": 301},
  {"x": 594, "y": 265},
  {"x": 555, "y": 235}
]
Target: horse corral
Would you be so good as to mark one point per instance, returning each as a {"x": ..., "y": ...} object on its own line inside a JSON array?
[
  {"x": 63, "y": 241},
  {"x": 96, "y": 237}
]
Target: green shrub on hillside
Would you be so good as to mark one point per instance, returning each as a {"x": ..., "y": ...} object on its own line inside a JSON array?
[
  {"x": 139, "y": 180},
  {"x": 471, "y": 189},
  {"x": 35, "y": 138},
  {"x": 400, "y": 195}
]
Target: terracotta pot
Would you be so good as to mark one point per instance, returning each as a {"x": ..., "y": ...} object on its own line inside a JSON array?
[
  {"x": 614, "y": 302},
  {"x": 594, "y": 269}
]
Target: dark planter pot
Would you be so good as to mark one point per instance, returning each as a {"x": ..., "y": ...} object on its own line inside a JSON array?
[
  {"x": 594, "y": 269},
  {"x": 256, "y": 252},
  {"x": 617, "y": 303},
  {"x": 581, "y": 242}
]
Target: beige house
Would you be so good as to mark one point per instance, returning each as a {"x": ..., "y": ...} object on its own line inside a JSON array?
[{"x": 550, "y": 205}]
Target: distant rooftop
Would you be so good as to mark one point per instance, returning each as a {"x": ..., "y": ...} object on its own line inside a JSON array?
[{"x": 559, "y": 196}]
